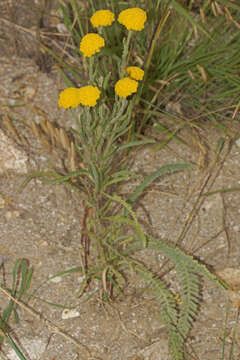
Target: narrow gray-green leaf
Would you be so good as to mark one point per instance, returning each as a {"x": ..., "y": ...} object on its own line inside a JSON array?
[
  {"x": 137, "y": 143},
  {"x": 166, "y": 169}
]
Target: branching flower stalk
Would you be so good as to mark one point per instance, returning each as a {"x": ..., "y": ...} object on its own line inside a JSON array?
[
  {"x": 99, "y": 133},
  {"x": 126, "y": 43},
  {"x": 101, "y": 128}
]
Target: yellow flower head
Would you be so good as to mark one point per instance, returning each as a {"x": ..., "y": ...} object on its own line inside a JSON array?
[
  {"x": 126, "y": 87},
  {"x": 135, "y": 72},
  {"x": 69, "y": 98},
  {"x": 133, "y": 18},
  {"x": 91, "y": 44},
  {"x": 102, "y": 18},
  {"x": 88, "y": 95}
]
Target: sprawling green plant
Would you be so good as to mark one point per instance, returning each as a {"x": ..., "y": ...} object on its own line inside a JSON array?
[{"x": 106, "y": 130}]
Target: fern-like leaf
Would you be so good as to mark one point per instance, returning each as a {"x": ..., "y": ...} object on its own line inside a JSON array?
[
  {"x": 168, "y": 311},
  {"x": 176, "y": 255},
  {"x": 190, "y": 296},
  {"x": 188, "y": 271}
]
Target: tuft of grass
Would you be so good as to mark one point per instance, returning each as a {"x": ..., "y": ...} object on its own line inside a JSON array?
[
  {"x": 229, "y": 356},
  {"x": 22, "y": 276},
  {"x": 190, "y": 65}
]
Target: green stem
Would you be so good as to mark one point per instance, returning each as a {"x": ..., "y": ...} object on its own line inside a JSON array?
[
  {"x": 125, "y": 53},
  {"x": 91, "y": 77},
  {"x": 115, "y": 125}
]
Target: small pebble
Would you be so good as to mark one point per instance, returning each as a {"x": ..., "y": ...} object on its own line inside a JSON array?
[
  {"x": 56, "y": 280},
  {"x": 70, "y": 314}
]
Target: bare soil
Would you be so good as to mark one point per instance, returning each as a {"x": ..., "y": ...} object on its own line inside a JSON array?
[{"x": 42, "y": 223}]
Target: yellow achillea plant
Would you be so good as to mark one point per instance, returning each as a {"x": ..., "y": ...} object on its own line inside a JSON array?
[
  {"x": 102, "y": 18},
  {"x": 135, "y": 72},
  {"x": 103, "y": 133},
  {"x": 125, "y": 87},
  {"x": 91, "y": 44},
  {"x": 69, "y": 98},
  {"x": 133, "y": 18}
]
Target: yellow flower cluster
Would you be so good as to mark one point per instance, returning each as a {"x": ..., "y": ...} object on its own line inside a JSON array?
[
  {"x": 89, "y": 95},
  {"x": 102, "y": 18},
  {"x": 135, "y": 72},
  {"x": 125, "y": 87},
  {"x": 69, "y": 98},
  {"x": 72, "y": 97},
  {"x": 133, "y": 19},
  {"x": 128, "y": 85},
  {"x": 91, "y": 44}
]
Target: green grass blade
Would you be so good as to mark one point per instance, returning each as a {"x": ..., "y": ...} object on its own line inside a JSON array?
[
  {"x": 136, "y": 143},
  {"x": 15, "y": 347}
]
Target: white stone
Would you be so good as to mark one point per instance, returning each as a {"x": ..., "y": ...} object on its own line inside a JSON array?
[
  {"x": 70, "y": 314},
  {"x": 11, "y": 158},
  {"x": 56, "y": 279}
]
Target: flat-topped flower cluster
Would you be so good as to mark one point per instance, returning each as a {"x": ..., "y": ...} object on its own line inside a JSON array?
[{"x": 133, "y": 19}]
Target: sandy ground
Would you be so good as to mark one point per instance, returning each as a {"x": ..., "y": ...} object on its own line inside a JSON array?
[{"x": 41, "y": 223}]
